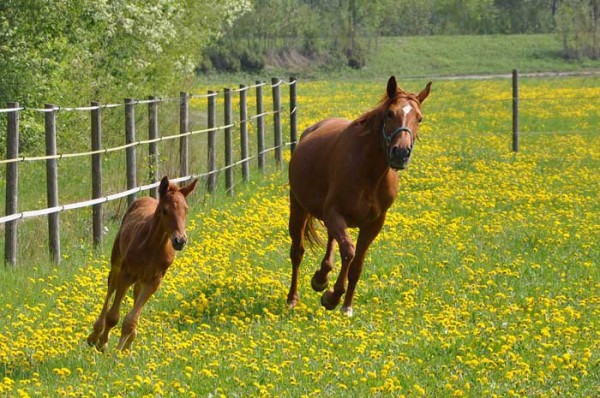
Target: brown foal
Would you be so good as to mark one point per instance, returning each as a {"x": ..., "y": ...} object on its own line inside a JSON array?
[{"x": 144, "y": 248}]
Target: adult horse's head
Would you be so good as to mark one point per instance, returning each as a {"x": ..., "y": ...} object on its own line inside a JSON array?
[
  {"x": 401, "y": 118},
  {"x": 172, "y": 210}
]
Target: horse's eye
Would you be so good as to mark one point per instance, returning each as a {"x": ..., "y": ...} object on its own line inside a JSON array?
[
  {"x": 390, "y": 113},
  {"x": 420, "y": 119}
]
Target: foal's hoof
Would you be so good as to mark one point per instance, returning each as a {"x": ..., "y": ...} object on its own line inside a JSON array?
[
  {"x": 97, "y": 346},
  {"x": 317, "y": 285},
  {"x": 329, "y": 300}
]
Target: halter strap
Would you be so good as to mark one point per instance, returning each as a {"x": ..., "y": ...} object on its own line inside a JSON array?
[{"x": 387, "y": 138}]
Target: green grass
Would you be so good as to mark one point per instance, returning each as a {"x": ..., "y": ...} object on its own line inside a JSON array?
[
  {"x": 465, "y": 55},
  {"x": 484, "y": 281},
  {"x": 418, "y": 57}
]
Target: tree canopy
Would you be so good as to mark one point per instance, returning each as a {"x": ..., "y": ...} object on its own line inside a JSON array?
[
  {"x": 91, "y": 49},
  {"x": 68, "y": 51},
  {"x": 338, "y": 33}
]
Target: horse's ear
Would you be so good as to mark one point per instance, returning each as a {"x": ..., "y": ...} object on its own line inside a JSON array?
[
  {"x": 163, "y": 188},
  {"x": 392, "y": 87},
  {"x": 189, "y": 187},
  {"x": 425, "y": 93}
]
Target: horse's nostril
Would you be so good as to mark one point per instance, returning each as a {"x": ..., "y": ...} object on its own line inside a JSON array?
[
  {"x": 179, "y": 242},
  {"x": 400, "y": 153}
]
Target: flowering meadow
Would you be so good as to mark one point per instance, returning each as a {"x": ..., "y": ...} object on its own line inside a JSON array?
[{"x": 484, "y": 282}]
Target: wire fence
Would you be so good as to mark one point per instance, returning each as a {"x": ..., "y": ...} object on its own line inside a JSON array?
[
  {"x": 218, "y": 152},
  {"x": 213, "y": 136}
]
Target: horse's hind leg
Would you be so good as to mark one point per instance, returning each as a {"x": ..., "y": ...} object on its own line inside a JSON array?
[
  {"x": 320, "y": 279},
  {"x": 100, "y": 323},
  {"x": 297, "y": 226},
  {"x": 122, "y": 284}
]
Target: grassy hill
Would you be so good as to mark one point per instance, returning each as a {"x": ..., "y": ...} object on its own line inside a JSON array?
[{"x": 414, "y": 57}]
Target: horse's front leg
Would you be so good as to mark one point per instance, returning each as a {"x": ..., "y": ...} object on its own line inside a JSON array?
[
  {"x": 144, "y": 290},
  {"x": 320, "y": 279},
  {"x": 336, "y": 227},
  {"x": 366, "y": 236},
  {"x": 122, "y": 284}
]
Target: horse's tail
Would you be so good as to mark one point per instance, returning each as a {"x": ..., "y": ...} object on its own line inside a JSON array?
[{"x": 311, "y": 233}]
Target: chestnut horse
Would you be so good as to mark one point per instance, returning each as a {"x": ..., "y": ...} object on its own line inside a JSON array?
[
  {"x": 144, "y": 248},
  {"x": 344, "y": 173}
]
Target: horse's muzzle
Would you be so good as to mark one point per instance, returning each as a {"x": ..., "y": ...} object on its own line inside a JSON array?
[
  {"x": 399, "y": 157},
  {"x": 178, "y": 242}
]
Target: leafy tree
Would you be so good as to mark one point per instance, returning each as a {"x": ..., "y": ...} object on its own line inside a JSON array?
[
  {"x": 71, "y": 52},
  {"x": 525, "y": 16},
  {"x": 579, "y": 28},
  {"x": 90, "y": 49}
]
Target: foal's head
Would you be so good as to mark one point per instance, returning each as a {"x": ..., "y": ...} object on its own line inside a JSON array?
[
  {"x": 172, "y": 209},
  {"x": 401, "y": 118}
]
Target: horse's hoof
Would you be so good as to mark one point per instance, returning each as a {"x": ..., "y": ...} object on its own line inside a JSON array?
[
  {"x": 316, "y": 285},
  {"x": 346, "y": 311},
  {"x": 329, "y": 300},
  {"x": 292, "y": 300}
]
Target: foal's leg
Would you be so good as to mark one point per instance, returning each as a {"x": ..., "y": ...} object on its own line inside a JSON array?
[
  {"x": 336, "y": 227},
  {"x": 297, "y": 226},
  {"x": 142, "y": 292},
  {"x": 101, "y": 321},
  {"x": 320, "y": 279},
  {"x": 112, "y": 316},
  {"x": 365, "y": 238}
]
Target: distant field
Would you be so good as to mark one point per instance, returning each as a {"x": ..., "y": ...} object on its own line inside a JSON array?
[
  {"x": 464, "y": 55},
  {"x": 484, "y": 281},
  {"x": 421, "y": 56}
]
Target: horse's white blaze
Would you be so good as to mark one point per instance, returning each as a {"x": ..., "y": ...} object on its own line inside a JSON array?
[{"x": 407, "y": 109}]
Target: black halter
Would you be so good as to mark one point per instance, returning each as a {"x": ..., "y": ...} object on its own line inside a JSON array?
[{"x": 388, "y": 138}]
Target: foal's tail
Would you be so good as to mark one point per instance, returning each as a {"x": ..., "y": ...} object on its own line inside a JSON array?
[{"x": 311, "y": 233}]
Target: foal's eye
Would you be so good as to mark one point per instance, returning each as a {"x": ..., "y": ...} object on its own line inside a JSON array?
[{"x": 390, "y": 113}]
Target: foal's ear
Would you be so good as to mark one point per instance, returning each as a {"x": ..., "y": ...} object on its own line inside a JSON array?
[
  {"x": 392, "y": 87},
  {"x": 163, "y": 188},
  {"x": 189, "y": 187},
  {"x": 425, "y": 93}
]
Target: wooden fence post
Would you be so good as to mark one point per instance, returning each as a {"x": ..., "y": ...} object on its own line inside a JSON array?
[
  {"x": 12, "y": 185},
  {"x": 183, "y": 129},
  {"x": 293, "y": 113},
  {"x": 52, "y": 183},
  {"x": 515, "y": 110},
  {"x": 275, "y": 84},
  {"x": 97, "y": 209},
  {"x": 244, "y": 132},
  {"x": 228, "y": 143},
  {"x": 130, "y": 152},
  {"x": 260, "y": 125},
  {"x": 153, "y": 147},
  {"x": 211, "y": 181}
]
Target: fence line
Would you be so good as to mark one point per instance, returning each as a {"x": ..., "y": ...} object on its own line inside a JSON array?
[
  {"x": 72, "y": 206},
  {"x": 51, "y": 157}
]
